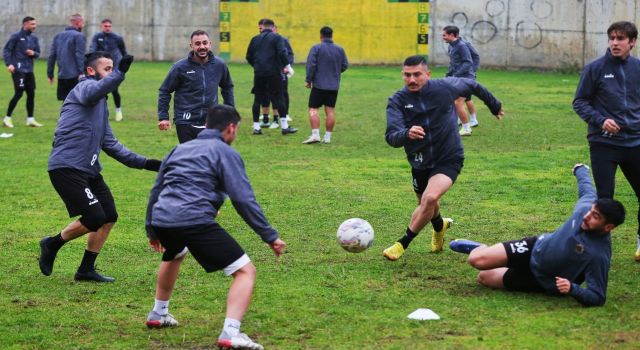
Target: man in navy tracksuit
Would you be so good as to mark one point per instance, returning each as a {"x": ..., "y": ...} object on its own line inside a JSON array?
[
  {"x": 578, "y": 252},
  {"x": 193, "y": 182},
  {"x": 325, "y": 64},
  {"x": 421, "y": 118},
  {"x": 68, "y": 49},
  {"x": 195, "y": 81},
  {"x": 267, "y": 55},
  {"x": 82, "y": 132},
  {"x": 608, "y": 100},
  {"x": 112, "y": 43},
  {"x": 461, "y": 66},
  {"x": 18, "y": 55}
]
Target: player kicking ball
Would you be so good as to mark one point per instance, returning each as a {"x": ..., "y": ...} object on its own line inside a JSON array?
[{"x": 557, "y": 263}]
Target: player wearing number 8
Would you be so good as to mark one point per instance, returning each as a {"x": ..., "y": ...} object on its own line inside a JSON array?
[
  {"x": 421, "y": 118},
  {"x": 559, "y": 262}
]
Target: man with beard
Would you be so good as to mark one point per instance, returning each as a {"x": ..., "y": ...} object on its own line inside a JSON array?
[
  {"x": 82, "y": 132},
  {"x": 195, "y": 80},
  {"x": 556, "y": 263},
  {"x": 18, "y": 54},
  {"x": 421, "y": 118},
  {"x": 68, "y": 49}
]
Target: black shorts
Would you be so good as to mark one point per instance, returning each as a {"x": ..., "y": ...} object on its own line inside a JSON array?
[
  {"x": 83, "y": 193},
  {"x": 450, "y": 168},
  {"x": 210, "y": 245},
  {"x": 187, "y": 132},
  {"x": 24, "y": 81},
  {"x": 319, "y": 98},
  {"x": 65, "y": 86},
  {"x": 519, "y": 276}
]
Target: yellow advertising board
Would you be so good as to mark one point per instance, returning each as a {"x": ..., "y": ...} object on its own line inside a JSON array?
[{"x": 370, "y": 31}]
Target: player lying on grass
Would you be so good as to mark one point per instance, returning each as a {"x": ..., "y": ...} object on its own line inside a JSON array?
[{"x": 559, "y": 262}]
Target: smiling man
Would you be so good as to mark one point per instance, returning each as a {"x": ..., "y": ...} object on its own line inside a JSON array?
[
  {"x": 608, "y": 100},
  {"x": 421, "y": 118},
  {"x": 195, "y": 81},
  {"x": 559, "y": 262}
]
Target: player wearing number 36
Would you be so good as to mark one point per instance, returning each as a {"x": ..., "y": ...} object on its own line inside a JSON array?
[
  {"x": 559, "y": 262},
  {"x": 422, "y": 118}
]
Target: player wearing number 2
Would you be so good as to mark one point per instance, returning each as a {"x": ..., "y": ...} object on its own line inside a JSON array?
[
  {"x": 422, "y": 118},
  {"x": 559, "y": 262}
]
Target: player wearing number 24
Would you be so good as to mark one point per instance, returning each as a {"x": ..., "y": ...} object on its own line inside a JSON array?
[{"x": 421, "y": 118}]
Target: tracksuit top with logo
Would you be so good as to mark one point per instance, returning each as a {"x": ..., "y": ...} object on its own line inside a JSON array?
[
  {"x": 460, "y": 61},
  {"x": 196, "y": 89},
  {"x": 83, "y": 129},
  {"x": 609, "y": 87},
  {"x": 432, "y": 108},
  {"x": 111, "y": 43},
  {"x": 15, "y": 50},
  {"x": 68, "y": 49},
  {"x": 193, "y": 182},
  {"x": 574, "y": 254}
]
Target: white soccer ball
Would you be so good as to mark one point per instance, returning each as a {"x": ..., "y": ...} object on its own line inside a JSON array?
[{"x": 355, "y": 235}]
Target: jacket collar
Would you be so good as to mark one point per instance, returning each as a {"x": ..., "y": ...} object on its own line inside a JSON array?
[
  {"x": 327, "y": 40},
  {"x": 210, "y": 134},
  {"x": 72, "y": 28},
  {"x": 611, "y": 58},
  {"x": 191, "y": 59}
]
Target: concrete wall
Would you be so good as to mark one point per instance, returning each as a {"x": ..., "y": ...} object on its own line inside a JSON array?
[
  {"x": 548, "y": 34},
  {"x": 152, "y": 29}
]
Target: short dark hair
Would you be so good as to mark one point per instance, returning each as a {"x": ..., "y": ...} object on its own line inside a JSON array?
[
  {"x": 268, "y": 22},
  {"x": 27, "y": 19},
  {"x": 452, "y": 30},
  {"x": 612, "y": 210},
  {"x": 415, "y": 61},
  {"x": 627, "y": 28},
  {"x": 326, "y": 32},
  {"x": 106, "y": 20},
  {"x": 199, "y": 32},
  {"x": 220, "y": 116},
  {"x": 261, "y": 21},
  {"x": 91, "y": 58}
]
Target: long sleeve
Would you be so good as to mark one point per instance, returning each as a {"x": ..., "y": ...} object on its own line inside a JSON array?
[
  {"x": 122, "y": 47},
  {"x": 119, "y": 152},
  {"x": 94, "y": 44},
  {"x": 596, "y": 277},
  {"x": 396, "y": 133},
  {"x": 36, "y": 48},
  {"x": 226, "y": 87},
  {"x": 51, "y": 61},
  {"x": 585, "y": 93},
  {"x": 7, "y": 52},
  {"x": 164, "y": 95},
  {"x": 153, "y": 198},
  {"x": 312, "y": 65},
  {"x": 80, "y": 45}
]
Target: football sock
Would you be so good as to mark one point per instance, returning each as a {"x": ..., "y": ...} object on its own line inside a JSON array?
[
  {"x": 473, "y": 119},
  {"x": 230, "y": 329},
  {"x": 56, "y": 242},
  {"x": 407, "y": 238},
  {"x": 437, "y": 223},
  {"x": 88, "y": 261},
  {"x": 118, "y": 109},
  {"x": 327, "y": 135},
  {"x": 30, "y": 120},
  {"x": 276, "y": 117},
  {"x": 284, "y": 124},
  {"x": 638, "y": 244},
  {"x": 161, "y": 307},
  {"x": 466, "y": 126},
  {"x": 315, "y": 133},
  {"x": 256, "y": 126},
  {"x": 265, "y": 118}
]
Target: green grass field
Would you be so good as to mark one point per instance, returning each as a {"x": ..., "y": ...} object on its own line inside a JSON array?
[{"x": 516, "y": 181}]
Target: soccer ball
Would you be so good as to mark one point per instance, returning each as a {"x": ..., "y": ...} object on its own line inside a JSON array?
[{"x": 355, "y": 235}]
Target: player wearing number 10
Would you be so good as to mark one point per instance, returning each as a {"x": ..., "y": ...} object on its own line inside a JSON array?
[
  {"x": 195, "y": 80},
  {"x": 422, "y": 118}
]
